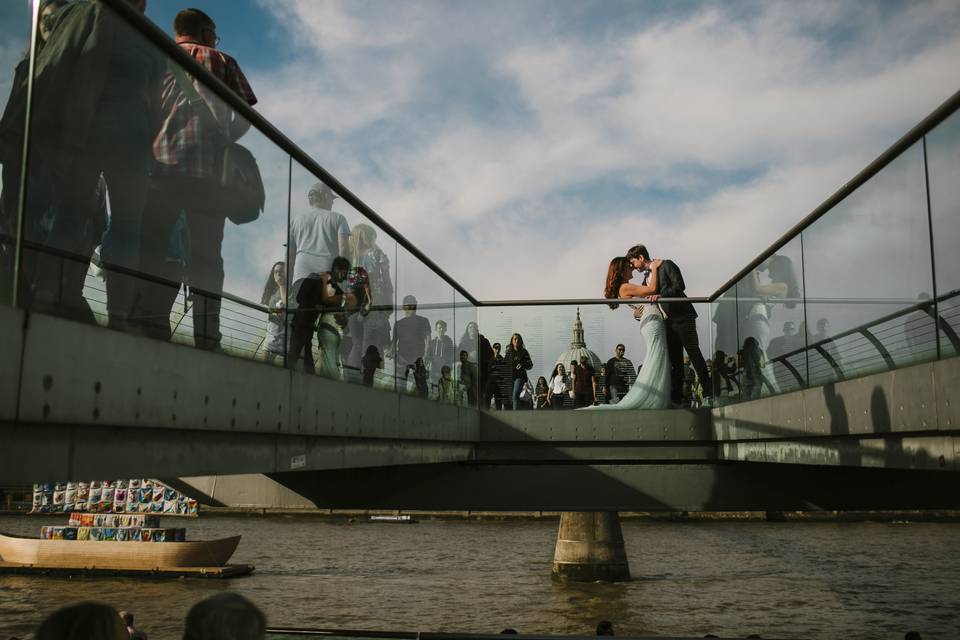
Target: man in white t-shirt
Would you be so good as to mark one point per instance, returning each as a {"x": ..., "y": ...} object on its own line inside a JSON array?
[{"x": 317, "y": 236}]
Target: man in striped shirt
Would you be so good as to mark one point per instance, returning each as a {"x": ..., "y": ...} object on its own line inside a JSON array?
[{"x": 186, "y": 151}]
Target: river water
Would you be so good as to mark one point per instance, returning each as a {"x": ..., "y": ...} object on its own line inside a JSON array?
[{"x": 786, "y": 580}]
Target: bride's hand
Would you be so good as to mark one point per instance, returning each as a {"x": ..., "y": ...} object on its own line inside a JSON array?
[{"x": 654, "y": 265}]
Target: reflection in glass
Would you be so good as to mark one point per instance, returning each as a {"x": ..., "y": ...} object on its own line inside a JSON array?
[
  {"x": 943, "y": 165},
  {"x": 15, "y": 18},
  {"x": 768, "y": 304},
  {"x": 865, "y": 264},
  {"x": 88, "y": 139}
]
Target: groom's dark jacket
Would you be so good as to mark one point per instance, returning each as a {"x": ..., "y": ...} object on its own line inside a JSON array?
[{"x": 670, "y": 285}]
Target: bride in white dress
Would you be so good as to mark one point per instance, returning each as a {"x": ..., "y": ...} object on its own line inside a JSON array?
[{"x": 652, "y": 387}]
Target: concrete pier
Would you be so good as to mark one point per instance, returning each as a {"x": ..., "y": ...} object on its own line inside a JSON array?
[{"x": 590, "y": 548}]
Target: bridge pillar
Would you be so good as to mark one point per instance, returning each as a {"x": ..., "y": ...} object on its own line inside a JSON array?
[{"x": 590, "y": 548}]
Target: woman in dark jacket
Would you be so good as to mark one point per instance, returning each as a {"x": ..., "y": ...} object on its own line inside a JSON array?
[{"x": 518, "y": 362}]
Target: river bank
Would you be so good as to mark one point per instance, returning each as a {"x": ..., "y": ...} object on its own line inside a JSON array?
[{"x": 640, "y": 516}]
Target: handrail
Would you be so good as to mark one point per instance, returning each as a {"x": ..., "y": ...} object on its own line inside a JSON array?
[
  {"x": 920, "y": 306},
  {"x": 163, "y": 41},
  {"x": 941, "y": 113},
  {"x": 582, "y": 301}
]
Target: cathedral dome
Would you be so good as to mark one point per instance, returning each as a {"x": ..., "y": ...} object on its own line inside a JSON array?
[{"x": 578, "y": 349}]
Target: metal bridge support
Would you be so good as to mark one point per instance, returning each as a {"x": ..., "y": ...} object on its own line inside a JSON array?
[{"x": 590, "y": 548}]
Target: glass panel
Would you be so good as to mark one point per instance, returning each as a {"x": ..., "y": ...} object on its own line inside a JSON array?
[
  {"x": 15, "y": 22},
  {"x": 323, "y": 227},
  {"x": 943, "y": 164},
  {"x": 143, "y": 207},
  {"x": 424, "y": 350},
  {"x": 573, "y": 337},
  {"x": 724, "y": 362},
  {"x": 467, "y": 335},
  {"x": 866, "y": 263},
  {"x": 769, "y": 313}
]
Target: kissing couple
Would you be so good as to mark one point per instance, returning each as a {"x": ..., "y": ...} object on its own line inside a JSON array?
[{"x": 668, "y": 327}]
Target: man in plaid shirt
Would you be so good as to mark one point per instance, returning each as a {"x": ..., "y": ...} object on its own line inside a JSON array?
[{"x": 186, "y": 152}]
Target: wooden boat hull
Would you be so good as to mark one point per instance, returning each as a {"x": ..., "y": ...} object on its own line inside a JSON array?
[{"x": 99, "y": 554}]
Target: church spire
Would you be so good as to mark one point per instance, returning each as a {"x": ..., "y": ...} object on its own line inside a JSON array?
[{"x": 579, "y": 341}]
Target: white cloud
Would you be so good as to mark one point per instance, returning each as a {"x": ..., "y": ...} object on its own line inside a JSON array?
[{"x": 800, "y": 95}]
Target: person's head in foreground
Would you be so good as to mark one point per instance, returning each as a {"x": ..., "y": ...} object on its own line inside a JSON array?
[
  {"x": 84, "y": 621},
  {"x": 225, "y": 616}
]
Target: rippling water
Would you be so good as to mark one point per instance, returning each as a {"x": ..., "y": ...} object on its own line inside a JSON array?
[{"x": 788, "y": 580}]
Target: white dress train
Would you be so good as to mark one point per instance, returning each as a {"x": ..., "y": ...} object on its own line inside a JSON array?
[{"x": 651, "y": 390}]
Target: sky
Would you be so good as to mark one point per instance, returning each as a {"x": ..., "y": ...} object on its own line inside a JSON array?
[{"x": 523, "y": 144}]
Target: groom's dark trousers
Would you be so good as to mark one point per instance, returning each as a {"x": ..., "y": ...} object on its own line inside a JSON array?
[{"x": 681, "y": 326}]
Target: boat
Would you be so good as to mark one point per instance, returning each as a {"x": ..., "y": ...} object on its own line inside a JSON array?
[{"x": 101, "y": 554}]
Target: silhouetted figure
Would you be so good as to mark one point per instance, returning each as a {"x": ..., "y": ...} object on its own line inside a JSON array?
[
  {"x": 411, "y": 335},
  {"x": 498, "y": 378},
  {"x": 84, "y": 621},
  {"x": 96, "y": 97},
  {"x": 12, "y": 125},
  {"x": 605, "y": 628},
  {"x": 225, "y": 616},
  {"x": 421, "y": 384},
  {"x": 369, "y": 364},
  {"x": 187, "y": 152},
  {"x": 469, "y": 378},
  {"x": 486, "y": 385}
]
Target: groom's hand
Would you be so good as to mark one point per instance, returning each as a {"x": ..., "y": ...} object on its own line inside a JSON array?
[{"x": 638, "y": 312}]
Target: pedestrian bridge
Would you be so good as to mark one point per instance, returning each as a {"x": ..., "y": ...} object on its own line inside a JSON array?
[
  {"x": 84, "y": 402},
  {"x": 834, "y": 381}
]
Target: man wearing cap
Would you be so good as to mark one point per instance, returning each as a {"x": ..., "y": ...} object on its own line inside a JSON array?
[
  {"x": 411, "y": 335},
  {"x": 317, "y": 236}
]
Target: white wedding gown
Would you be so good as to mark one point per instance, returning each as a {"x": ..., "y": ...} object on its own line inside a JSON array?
[{"x": 652, "y": 387}]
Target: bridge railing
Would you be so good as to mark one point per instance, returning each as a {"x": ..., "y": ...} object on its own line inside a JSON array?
[
  {"x": 868, "y": 282},
  {"x": 115, "y": 212},
  {"x": 862, "y": 284}
]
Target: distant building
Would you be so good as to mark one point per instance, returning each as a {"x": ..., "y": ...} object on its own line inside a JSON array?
[{"x": 578, "y": 349}]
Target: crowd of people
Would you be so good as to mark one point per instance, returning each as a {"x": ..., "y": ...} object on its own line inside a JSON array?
[{"x": 225, "y": 616}]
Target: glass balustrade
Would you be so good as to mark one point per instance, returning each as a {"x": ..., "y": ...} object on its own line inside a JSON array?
[{"x": 140, "y": 211}]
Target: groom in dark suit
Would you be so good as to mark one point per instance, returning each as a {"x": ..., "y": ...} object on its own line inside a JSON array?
[{"x": 680, "y": 321}]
